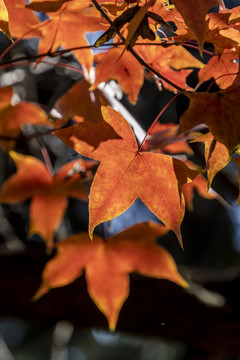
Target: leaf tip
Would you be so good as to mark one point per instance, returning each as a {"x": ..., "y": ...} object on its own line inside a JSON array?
[
  {"x": 40, "y": 292},
  {"x": 112, "y": 326},
  {"x": 183, "y": 283}
]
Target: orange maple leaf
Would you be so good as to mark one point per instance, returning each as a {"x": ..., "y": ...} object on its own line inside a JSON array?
[
  {"x": 108, "y": 263},
  {"x": 200, "y": 184},
  {"x": 13, "y": 117},
  {"x": 219, "y": 111},
  {"x": 195, "y": 18},
  {"x": 125, "y": 173},
  {"x": 20, "y": 28},
  {"x": 49, "y": 193},
  {"x": 221, "y": 68},
  {"x": 74, "y": 17},
  {"x": 123, "y": 68},
  {"x": 221, "y": 32},
  {"x": 167, "y": 60}
]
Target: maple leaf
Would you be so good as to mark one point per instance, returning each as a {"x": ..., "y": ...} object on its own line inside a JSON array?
[
  {"x": 221, "y": 33},
  {"x": 81, "y": 101},
  {"x": 74, "y": 17},
  {"x": 4, "y": 19},
  {"x": 219, "y": 111},
  {"x": 216, "y": 155},
  {"x": 200, "y": 184},
  {"x": 168, "y": 59},
  {"x": 124, "y": 173},
  {"x": 195, "y": 20},
  {"x": 107, "y": 264},
  {"x": 125, "y": 69},
  {"x": 48, "y": 193},
  {"x": 12, "y": 119},
  {"x": 17, "y": 12},
  {"x": 221, "y": 68}
]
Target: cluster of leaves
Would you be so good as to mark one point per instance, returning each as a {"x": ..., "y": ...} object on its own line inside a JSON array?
[{"x": 151, "y": 36}]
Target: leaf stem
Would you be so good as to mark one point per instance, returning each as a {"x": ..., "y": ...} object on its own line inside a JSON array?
[
  {"x": 46, "y": 156},
  {"x": 156, "y": 119},
  {"x": 197, "y": 48}
]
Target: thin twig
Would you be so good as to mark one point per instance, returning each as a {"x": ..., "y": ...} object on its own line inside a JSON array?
[
  {"x": 156, "y": 119},
  {"x": 85, "y": 47}
]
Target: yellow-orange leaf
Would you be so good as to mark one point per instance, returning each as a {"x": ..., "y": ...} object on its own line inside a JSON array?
[
  {"x": 223, "y": 69},
  {"x": 123, "y": 68},
  {"x": 48, "y": 193},
  {"x": 4, "y": 19},
  {"x": 167, "y": 59},
  {"x": 75, "y": 17},
  {"x": 201, "y": 185},
  {"x": 21, "y": 20},
  {"x": 108, "y": 263},
  {"x": 13, "y": 117},
  {"x": 125, "y": 174}
]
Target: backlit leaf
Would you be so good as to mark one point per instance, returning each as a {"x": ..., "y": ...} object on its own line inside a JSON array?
[
  {"x": 13, "y": 117},
  {"x": 73, "y": 18},
  {"x": 124, "y": 172},
  {"x": 123, "y": 68},
  {"x": 223, "y": 69},
  {"x": 4, "y": 19},
  {"x": 19, "y": 27},
  {"x": 49, "y": 193},
  {"x": 108, "y": 263}
]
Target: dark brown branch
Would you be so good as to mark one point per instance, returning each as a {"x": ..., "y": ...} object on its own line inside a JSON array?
[{"x": 56, "y": 53}]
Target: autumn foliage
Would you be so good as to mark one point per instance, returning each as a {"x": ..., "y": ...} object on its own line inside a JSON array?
[{"x": 153, "y": 38}]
